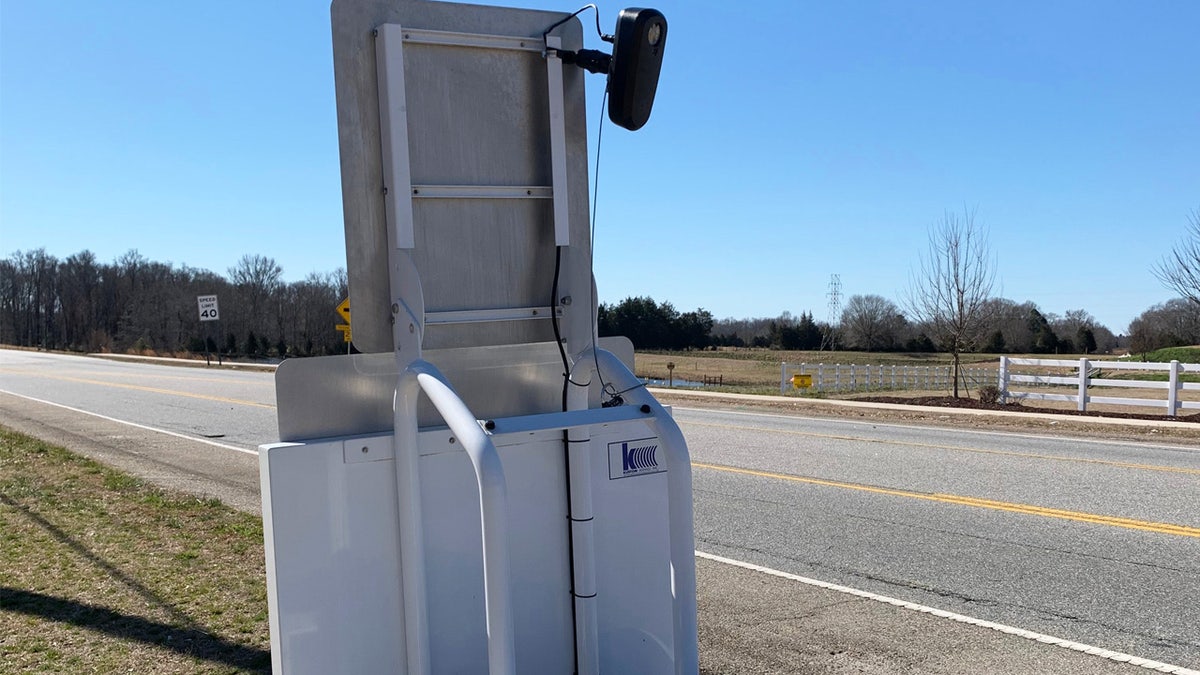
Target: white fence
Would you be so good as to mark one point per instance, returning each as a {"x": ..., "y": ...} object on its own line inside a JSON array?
[
  {"x": 850, "y": 377},
  {"x": 1088, "y": 373}
]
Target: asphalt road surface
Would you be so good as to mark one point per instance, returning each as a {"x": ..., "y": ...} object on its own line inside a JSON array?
[
  {"x": 1090, "y": 541},
  {"x": 1097, "y": 542}
]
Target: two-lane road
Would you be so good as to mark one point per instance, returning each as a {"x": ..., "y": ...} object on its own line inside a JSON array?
[
  {"x": 230, "y": 407},
  {"x": 1092, "y": 541},
  {"x": 1095, "y": 541}
]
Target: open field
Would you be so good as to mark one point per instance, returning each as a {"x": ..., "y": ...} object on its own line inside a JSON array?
[
  {"x": 103, "y": 573},
  {"x": 757, "y": 370},
  {"x": 760, "y": 367}
]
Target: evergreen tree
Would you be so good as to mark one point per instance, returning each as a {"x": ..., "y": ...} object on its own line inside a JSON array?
[
  {"x": 995, "y": 343},
  {"x": 1085, "y": 339}
]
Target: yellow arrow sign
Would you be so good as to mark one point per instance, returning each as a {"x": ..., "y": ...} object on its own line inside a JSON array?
[
  {"x": 343, "y": 310},
  {"x": 345, "y": 329}
]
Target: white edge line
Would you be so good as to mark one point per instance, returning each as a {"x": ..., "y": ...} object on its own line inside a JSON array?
[
  {"x": 133, "y": 424},
  {"x": 1010, "y": 630}
]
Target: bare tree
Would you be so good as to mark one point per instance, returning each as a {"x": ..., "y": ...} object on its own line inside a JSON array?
[
  {"x": 256, "y": 280},
  {"x": 80, "y": 303},
  {"x": 950, "y": 291},
  {"x": 311, "y": 312},
  {"x": 78, "y": 289},
  {"x": 1180, "y": 271},
  {"x": 871, "y": 322},
  {"x": 1174, "y": 323},
  {"x": 1084, "y": 331}
]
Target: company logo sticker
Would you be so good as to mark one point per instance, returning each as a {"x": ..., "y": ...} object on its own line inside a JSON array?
[{"x": 634, "y": 458}]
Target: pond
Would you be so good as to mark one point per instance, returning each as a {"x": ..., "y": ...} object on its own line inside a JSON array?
[{"x": 677, "y": 382}]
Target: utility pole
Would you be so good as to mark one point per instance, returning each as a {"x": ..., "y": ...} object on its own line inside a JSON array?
[{"x": 828, "y": 339}]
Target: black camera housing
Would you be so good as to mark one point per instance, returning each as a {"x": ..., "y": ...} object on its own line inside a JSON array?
[{"x": 638, "y": 45}]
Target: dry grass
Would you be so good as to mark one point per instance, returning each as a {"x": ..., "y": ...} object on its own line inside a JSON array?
[
  {"x": 102, "y": 573},
  {"x": 751, "y": 370}
]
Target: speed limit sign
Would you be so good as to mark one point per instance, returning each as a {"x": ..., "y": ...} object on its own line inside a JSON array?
[{"x": 208, "y": 307}]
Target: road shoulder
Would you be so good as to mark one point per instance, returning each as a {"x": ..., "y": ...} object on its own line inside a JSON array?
[
  {"x": 167, "y": 461},
  {"x": 791, "y": 627}
]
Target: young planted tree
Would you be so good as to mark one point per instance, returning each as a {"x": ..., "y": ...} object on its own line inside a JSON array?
[
  {"x": 1180, "y": 270},
  {"x": 950, "y": 289}
]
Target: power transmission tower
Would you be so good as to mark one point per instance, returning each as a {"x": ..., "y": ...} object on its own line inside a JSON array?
[{"x": 829, "y": 337}]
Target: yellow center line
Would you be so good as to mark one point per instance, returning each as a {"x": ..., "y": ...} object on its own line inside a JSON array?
[
  {"x": 1078, "y": 516},
  {"x": 152, "y": 390},
  {"x": 141, "y": 375},
  {"x": 959, "y": 448}
]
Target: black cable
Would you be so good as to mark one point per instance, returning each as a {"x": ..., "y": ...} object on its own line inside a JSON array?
[
  {"x": 562, "y": 351},
  {"x": 566, "y": 437},
  {"x": 581, "y": 10},
  {"x": 639, "y": 385},
  {"x": 604, "y": 387}
]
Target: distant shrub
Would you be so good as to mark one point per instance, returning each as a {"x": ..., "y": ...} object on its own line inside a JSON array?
[
  {"x": 989, "y": 394},
  {"x": 920, "y": 343}
]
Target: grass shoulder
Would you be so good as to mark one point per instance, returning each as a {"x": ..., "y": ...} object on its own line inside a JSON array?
[{"x": 105, "y": 573}]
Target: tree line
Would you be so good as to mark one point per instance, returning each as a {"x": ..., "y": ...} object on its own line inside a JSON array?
[
  {"x": 134, "y": 304},
  {"x": 873, "y": 323}
]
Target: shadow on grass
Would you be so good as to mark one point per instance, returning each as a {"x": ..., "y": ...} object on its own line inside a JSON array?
[
  {"x": 184, "y": 635},
  {"x": 190, "y": 641},
  {"x": 70, "y": 542}
]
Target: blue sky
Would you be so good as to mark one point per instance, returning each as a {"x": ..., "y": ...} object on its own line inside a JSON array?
[{"x": 789, "y": 141}]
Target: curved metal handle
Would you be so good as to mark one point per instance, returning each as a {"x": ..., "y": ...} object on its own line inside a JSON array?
[{"x": 493, "y": 506}]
